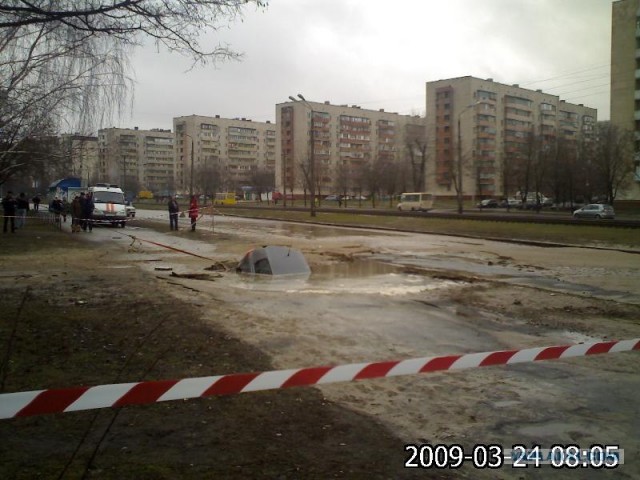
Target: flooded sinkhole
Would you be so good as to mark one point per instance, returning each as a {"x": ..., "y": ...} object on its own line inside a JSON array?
[{"x": 357, "y": 277}]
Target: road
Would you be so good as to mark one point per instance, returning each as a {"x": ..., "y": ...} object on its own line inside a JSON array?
[{"x": 377, "y": 296}]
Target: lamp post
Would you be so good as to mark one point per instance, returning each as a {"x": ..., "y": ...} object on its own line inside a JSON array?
[
  {"x": 312, "y": 156},
  {"x": 459, "y": 163},
  {"x": 191, "y": 179}
]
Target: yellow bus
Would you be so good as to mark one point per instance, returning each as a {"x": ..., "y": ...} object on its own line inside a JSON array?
[
  {"x": 416, "y": 201},
  {"x": 225, "y": 199}
]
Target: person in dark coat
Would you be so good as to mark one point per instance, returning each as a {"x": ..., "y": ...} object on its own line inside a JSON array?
[
  {"x": 36, "y": 203},
  {"x": 9, "y": 209},
  {"x": 76, "y": 214},
  {"x": 87, "y": 212},
  {"x": 174, "y": 210},
  {"x": 22, "y": 207},
  {"x": 55, "y": 207}
]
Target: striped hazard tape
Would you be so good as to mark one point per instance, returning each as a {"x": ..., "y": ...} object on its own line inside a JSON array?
[{"x": 41, "y": 402}]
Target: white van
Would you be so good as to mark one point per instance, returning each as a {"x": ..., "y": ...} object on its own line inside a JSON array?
[
  {"x": 416, "y": 201},
  {"x": 109, "y": 205}
]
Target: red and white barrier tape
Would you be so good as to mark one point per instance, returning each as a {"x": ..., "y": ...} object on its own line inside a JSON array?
[{"x": 39, "y": 402}]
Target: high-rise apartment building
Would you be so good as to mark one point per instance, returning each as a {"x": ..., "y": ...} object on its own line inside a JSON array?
[
  {"x": 345, "y": 142},
  {"x": 137, "y": 159},
  {"x": 625, "y": 80},
  {"x": 495, "y": 134},
  {"x": 226, "y": 153}
]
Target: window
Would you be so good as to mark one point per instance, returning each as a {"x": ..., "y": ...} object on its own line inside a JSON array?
[
  {"x": 518, "y": 101},
  {"x": 485, "y": 95}
]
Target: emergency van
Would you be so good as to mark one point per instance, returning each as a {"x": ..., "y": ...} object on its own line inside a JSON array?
[{"x": 108, "y": 204}]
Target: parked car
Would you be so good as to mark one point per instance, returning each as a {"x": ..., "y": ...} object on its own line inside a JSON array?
[
  {"x": 595, "y": 210},
  {"x": 511, "y": 203},
  {"x": 332, "y": 198},
  {"x": 131, "y": 210},
  {"x": 488, "y": 203}
]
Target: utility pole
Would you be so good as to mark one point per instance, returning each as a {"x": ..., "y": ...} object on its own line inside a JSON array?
[
  {"x": 312, "y": 156},
  {"x": 459, "y": 195}
]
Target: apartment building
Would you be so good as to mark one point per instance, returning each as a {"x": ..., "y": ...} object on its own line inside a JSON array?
[
  {"x": 344, "y": 142},
  {"x": 625, "y": 80},
  {"x": 490, "y": 132},
  {"x": 137, "y": 159},
  {"x": 225, "y": 154},
  {"x": 81, "y": 153}
]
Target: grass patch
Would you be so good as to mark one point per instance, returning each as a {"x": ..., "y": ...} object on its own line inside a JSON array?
[{"x": 37, "y": 237}]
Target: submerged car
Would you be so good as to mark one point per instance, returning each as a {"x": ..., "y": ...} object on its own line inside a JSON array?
[
  {"x": 595, "y": 210},
  {"x": 274, "y": 260}
]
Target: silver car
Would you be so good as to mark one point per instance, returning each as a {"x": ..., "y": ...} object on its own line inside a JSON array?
[{"x": 595, "y": 210}]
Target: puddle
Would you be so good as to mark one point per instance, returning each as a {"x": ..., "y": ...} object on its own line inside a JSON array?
[
  {"x": 577, "y": 337},
  {"x": 356, "y": 268},
  {"x": 574, "y": 288},
  {"x": 265, "y": 228}
]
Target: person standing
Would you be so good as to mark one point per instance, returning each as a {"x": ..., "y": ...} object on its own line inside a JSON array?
[
  {"x": 193, "y": 212},
  {"x": 65, "y": 208},
  {"x": 76, "y": 214},
  {"x": 87, "y": 212},
  {"x": 81, "y": 223},
  {"x": 174, "y": 210},
  {"x": 9, "y": 210},
  {"x": 55, "y": 207},
  {"x": 36, "y": 203},
  {"x": 22, "y": 207}
]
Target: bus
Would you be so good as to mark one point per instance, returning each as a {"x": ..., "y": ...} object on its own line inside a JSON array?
[
  {"x": 416, "y": 201},
  {"x": 225, "y": 199}
]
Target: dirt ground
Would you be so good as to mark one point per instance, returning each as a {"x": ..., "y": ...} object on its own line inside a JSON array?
[{"x": 80, "y": 313}]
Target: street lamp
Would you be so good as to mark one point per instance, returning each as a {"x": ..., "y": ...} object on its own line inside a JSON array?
[
  {"x": 459, "y": 176},
  {"x": 312, "y": 156},
  {"x": 191, "y": 180}
]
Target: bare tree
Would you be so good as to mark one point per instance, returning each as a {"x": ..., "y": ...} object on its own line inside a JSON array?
[
  {"x": 65, "y": 63},
  {"x": 374, "y": 177},
  {"x": 207, "y": 179},
  {"x": 263, "y": 180},
  {"x": 416, "y": 153},
  {"x": 343, "y": 180},
  {"x": 389, "y": 179},
  {"x": 305, "y": 180},
  {"x": 612, "y": 158}
]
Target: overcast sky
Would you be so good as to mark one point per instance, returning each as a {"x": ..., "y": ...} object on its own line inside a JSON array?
[{"x": 379, "y": 54}]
